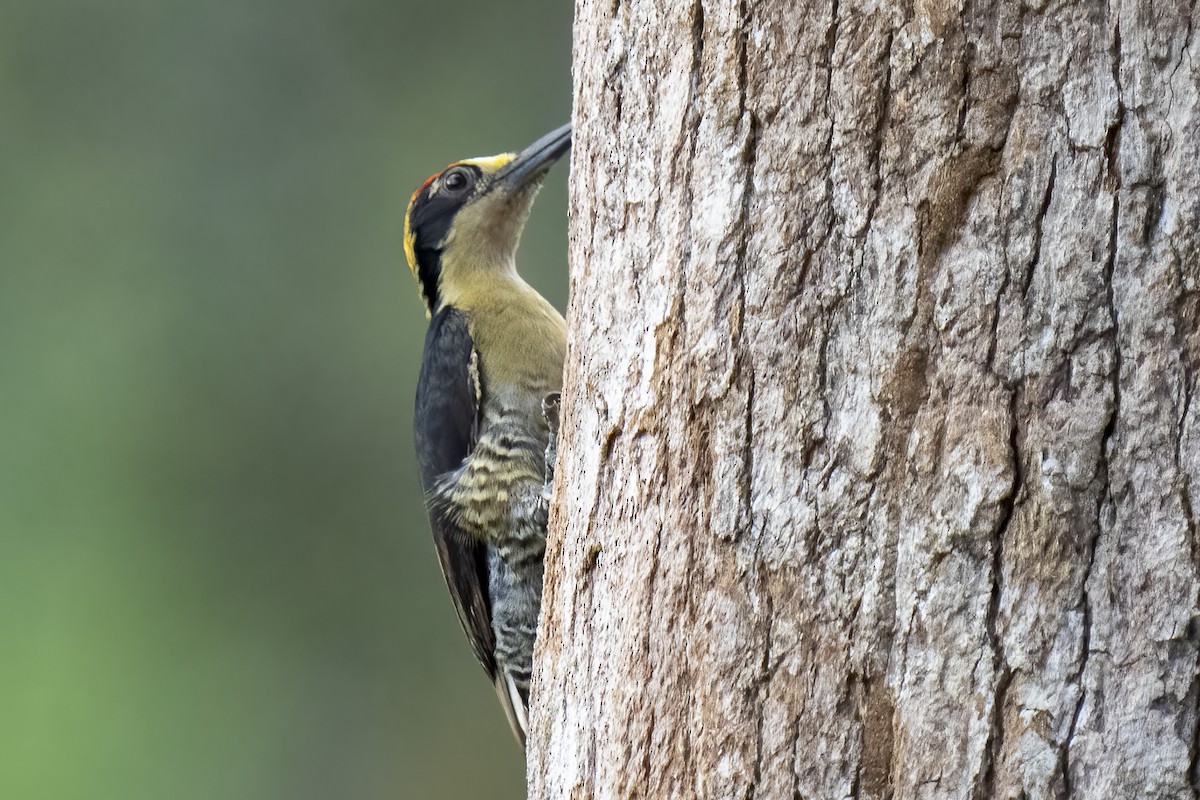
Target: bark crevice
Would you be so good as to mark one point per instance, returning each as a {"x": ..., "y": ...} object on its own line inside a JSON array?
[
  {"x": 883, "y": 115},
  {"x": 1038, "y": 221},
  {"x": 1000, "y": 669}
]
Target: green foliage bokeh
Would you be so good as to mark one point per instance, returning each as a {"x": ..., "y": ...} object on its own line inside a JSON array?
[{"x": 216, "y": 579}]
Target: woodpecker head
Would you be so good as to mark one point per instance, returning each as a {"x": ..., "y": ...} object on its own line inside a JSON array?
[{"x": 470, "y": 216}]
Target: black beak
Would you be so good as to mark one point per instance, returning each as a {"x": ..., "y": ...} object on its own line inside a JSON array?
[{"x": 532, "y": 163}]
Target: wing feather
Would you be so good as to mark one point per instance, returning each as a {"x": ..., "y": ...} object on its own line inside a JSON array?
[{"x": 446, "y": 418}]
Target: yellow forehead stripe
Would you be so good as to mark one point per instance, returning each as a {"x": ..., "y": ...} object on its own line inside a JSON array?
[{"x": 488, "y": 163}]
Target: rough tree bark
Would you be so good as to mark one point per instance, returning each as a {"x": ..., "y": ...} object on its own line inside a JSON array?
[{"x": 880, "y": 456}]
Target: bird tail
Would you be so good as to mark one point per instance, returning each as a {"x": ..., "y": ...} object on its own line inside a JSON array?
[{"x": 515, "y": 702}]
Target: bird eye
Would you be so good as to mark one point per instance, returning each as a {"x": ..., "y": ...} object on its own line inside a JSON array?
[{"x": 455, "y": 181}]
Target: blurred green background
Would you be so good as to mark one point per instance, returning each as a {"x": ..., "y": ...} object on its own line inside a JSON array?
[{"x": 216, "y": 579}]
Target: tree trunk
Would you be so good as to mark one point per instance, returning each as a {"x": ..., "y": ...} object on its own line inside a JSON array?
[{"x": 879, "y": 451}]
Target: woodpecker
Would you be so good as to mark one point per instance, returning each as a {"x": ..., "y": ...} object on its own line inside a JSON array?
[{"x": 493, "y": 355}]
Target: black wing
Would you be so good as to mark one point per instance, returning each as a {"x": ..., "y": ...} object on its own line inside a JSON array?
[{"x": 446, "y": 411}]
